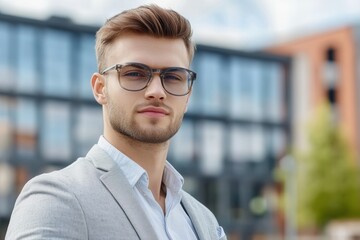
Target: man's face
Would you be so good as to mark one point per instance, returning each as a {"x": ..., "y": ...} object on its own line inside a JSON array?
[{"x": 151, "y": 115}]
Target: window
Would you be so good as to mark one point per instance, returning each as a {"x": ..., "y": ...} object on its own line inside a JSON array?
[
  {"x": 26, "y": 129},
  {"x": 7, "y": 185},
  {"x": 194, "y": 104},
  {"x": 56, "y": 63},
  {"x": 26, "y": 59},
  {"x": 258, "y": 146},
  {"x": 246, "y": 89},
  {"x": 212, "y": 150},
  {"x": 210, "y": 85},
  {"x": 251, "y": 79},
  {"x": 6, "y": 72},
  {"x": 240, "y": 97},
  {"x": 87, "y": 65},
  {"x": 273, "y": 96},
  {"x": 88, "y": 128},
  {"x": 55, "y": 131},
  {"x": 6, "y": 129},
  {"x": 182, "y": 147},
  {"x": 247, "y": 143},
  {"x": 235, "y": 97},
  {"x": 236, "y": 209},
  {"x": 240, "y": 144},
  {"x": 211, "y": 195}
]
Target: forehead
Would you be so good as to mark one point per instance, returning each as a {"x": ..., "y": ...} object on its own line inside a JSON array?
[{"x": 152, "y": 51}]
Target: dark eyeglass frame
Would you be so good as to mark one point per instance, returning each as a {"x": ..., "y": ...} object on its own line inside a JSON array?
[{"x": 161, "y": 72}]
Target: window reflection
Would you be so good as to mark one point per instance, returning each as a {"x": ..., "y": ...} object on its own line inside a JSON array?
[
  {"x": 6, "y": 72},
  {"x": 55, "y": 131},
  {"x": 87, "y": 65},
  {"x": 237, "y": 210},
  {"x": 212, "y": 149},
  {"x": 211, "y": 82},
  {"x": 255, "y": 77},
  {"x": 56, "y": 62},
  {"x": 247, "y": 143},
  {"x": 7, "y": 183},
  {"x": 88, "y": 128},
  {"x": 182, "y": 149},
  {"x": 5, "y": 109},
  {"x": 258, "y": 145},
  {"x": 6, "y": 128},
  {"x": 273, "y": 103},
  {"x": 256, "y": 90},
  {"x": 246, "y": 91},
  {"x": 26, "y": 129},
  {"x": 240, "y": 90},
  {"x": 240, "y": 146},
  {"x": 196, "y": 92},
  {"x": 26, "y": 59}
]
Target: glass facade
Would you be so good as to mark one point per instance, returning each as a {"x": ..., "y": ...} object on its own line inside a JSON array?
[
  {"x": 235, "y": 130},
  {"x": 27, "y": 76}
]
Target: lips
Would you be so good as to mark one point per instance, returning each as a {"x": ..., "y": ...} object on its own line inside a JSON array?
[{"x": 154, "y": 111}]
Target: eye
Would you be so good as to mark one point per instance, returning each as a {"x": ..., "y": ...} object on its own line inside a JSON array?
[
  {"x": 172, "y": 77},
  {"x": 133, "y": 73},
  {"x": 175, "y": 76}
]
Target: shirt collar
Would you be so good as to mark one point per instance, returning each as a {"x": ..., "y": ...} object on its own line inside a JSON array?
[
  {"x": 134, "y": 172},
  {"x": 172, "y": 178}
]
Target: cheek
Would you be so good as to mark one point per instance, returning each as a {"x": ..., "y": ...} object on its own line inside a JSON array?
[{"x": 182, "y": 107}]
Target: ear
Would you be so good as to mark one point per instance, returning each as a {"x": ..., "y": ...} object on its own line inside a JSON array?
[{"x": 98, "y": 88}]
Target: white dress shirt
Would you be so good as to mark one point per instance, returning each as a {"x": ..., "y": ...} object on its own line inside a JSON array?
[{"x": 175, "y": 224}]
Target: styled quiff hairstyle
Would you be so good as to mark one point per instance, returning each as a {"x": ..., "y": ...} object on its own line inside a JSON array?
[{"x": 149, "y": 20}]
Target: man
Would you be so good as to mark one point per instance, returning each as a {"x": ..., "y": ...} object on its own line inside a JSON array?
[{"x": 124, "y": 188}]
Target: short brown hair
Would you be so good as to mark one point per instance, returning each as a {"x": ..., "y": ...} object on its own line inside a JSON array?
[{"x": 149, "y": 20}]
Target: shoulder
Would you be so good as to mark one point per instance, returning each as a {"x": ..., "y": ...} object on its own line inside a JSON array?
[
  {"x": 61, "y": 186},
  {"x": 62, "y": 179},
  {"x": 65, "y": 185},
  {"x": 46, "y": 201}
]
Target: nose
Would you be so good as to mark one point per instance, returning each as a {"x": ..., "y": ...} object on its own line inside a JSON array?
[{"x": 155, "y": 90}]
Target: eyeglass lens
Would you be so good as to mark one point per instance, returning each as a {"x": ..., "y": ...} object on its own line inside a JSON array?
[{"x": 135, "y": 77}]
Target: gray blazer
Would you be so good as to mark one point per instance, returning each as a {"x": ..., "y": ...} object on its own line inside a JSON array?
[{"x": 91, "y": 199}]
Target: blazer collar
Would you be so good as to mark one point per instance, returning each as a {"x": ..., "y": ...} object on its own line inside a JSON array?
[
  {"x": 197, "y": 219},
  {"x": 119, "y": 187}
]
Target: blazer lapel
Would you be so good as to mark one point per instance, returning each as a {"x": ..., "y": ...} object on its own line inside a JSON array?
[
  {"x": 195, "y": 218},
  {"x": 117, "y": 184}
]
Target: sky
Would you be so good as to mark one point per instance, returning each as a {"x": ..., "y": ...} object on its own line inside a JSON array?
[{"x": 239, "y": 24}]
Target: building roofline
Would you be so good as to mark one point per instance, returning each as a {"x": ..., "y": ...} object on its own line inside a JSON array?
[
  {"x": 246, "y": 54},
  {"x": 58, "y": 22}
]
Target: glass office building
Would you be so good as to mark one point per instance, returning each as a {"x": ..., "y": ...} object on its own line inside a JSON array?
[{"x": 235, "y": 130}]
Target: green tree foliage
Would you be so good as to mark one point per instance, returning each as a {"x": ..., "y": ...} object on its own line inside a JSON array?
[{"x": 328, "y": 176}]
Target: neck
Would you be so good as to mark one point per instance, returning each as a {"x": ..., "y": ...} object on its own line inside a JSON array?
[{"x": 151, "y": 157}]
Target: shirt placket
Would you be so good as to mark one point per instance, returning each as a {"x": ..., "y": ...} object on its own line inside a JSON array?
[{"x": 156, "y": 208}]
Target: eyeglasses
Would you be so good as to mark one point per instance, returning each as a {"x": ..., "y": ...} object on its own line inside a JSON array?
[{"x": 176, "y": 81}]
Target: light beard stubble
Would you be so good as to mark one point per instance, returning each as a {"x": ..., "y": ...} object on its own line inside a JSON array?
[{"x": 131, "y": 129}]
